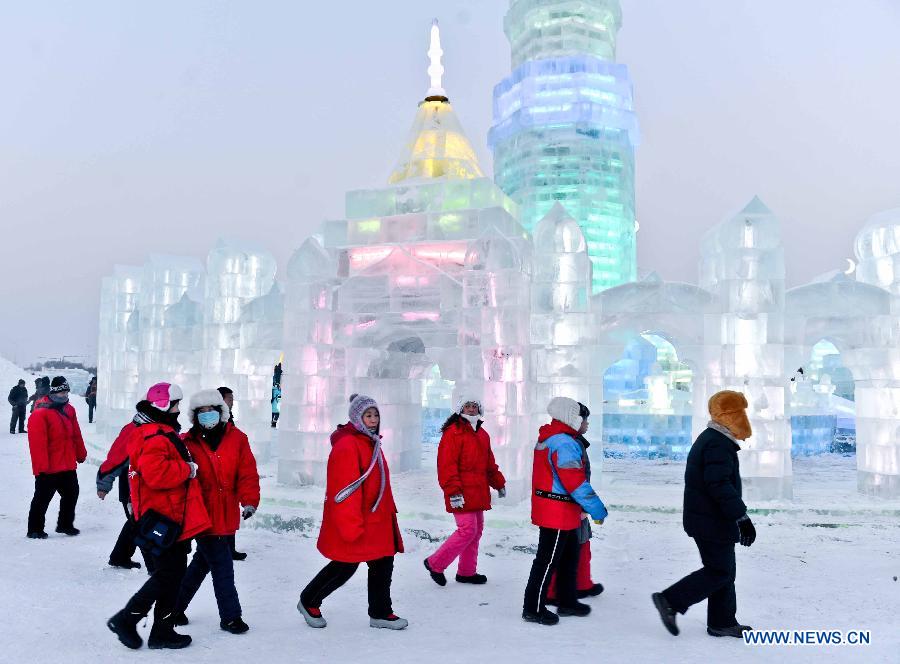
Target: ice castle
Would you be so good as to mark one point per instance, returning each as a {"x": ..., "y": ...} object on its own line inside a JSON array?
[{"x": 444, "y": 283}]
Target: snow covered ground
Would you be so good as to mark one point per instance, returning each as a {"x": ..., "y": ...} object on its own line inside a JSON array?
[{"x": 829, "y": 560}]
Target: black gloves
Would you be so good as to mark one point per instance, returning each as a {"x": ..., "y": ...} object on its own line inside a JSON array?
[{"x": 748, "y": 532}]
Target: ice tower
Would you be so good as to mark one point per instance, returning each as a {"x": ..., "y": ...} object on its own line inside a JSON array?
[
  {"x": 430, "y": 270},
  {"x": 564, "y": 128}
]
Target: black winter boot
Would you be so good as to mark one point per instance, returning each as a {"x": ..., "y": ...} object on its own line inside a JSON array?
[
  {"x": 666, "y": 612},
  {"x": 593, "y": 591},
  {"x": 544, "y": 617},
  {"x": 71, "y": 531},
  {"x": 124, "y": 564},
  {"x": 163, "y": 635},
  {"x": 579, "y": 609},
  {"x": 179, "y": 619},
  {"x": 124, "y": 626},
  {"x": 477, "y": 579},
  {"x": 437, "y": 577},
  {"x": 736, "y": 631},
  {"x": 236, "y": 626}
]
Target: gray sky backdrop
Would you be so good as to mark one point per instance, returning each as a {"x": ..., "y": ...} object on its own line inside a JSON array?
[{"x": 128, "y": 128}]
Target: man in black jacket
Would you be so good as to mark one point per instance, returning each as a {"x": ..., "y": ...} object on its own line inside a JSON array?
[
  {"x": 18, "y": 399},
  {"x": 716, "y": 517}
]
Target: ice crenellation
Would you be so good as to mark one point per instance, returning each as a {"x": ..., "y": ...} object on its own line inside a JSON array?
[{"x": 439, "y": 284}]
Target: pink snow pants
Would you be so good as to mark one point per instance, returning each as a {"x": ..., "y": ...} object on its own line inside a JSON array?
[{"x": 462, "y": 544}]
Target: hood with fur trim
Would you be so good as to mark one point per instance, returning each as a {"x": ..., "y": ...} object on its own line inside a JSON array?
[
  {"x": 208, "y": 398},
  {"x": 566, "y": 410}
]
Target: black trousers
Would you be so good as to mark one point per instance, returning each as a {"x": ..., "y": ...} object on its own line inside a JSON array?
[
  {"x": 125, "y": 547},
  {"x": 213, "y": 556},
  {"x": 558, "y": 551},
  {"x": 335, "y": 574},
  {"x": 160, "y": 591},
  {"x": 92, "y": 405},
  {"x": 18, "y": 415},
  {"x": 46, "y": 486},
  {"x": 713, "y": 582}
]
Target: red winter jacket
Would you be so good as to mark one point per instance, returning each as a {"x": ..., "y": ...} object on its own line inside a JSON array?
[
  {"x": 54, "y": 438},
  {"x": 351, "y": 532},
  {"x": 551, "y": 504},
  {"x": 465, "y": 465},
  {"x": 227, "y": 475},
  {"x": 159, "y": 478},
  {"x": 116, "y": 460}
]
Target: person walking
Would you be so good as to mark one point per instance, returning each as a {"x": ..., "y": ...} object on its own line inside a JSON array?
[
  {"x": 716, "y": 517},
  {"x": 466, "y": 472},
  {"x": 359, "y": 520},
  {"x": 115, "y": 467},
  {"x": 162, "y": 474},
  {"x": 229, "y": 481},
  {"x": 228, "y": 396},
  {"x": 56, "y": 446},
  {"x": 18, "y": 400},
  {"x": 90, "y": 395},
  {"x": 561, "y": 492}
]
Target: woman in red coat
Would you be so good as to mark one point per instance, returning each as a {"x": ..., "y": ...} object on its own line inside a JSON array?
[
  {"x": 466, "y": 472},
  {"x": 228, "y": 480},
  {"x": 359, "y": 520},
  {"x": 161, "y": 473}
]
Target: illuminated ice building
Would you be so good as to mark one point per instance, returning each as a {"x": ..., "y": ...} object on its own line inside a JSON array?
[{"x": 438, "y": 285}]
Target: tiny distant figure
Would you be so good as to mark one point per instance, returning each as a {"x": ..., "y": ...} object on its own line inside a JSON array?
[
  {"x": 18, "y": 399},
  {"x": 276, "y": 404},
  {"x": 90, "y": 395},
  {"x": 716, "y": 517}
]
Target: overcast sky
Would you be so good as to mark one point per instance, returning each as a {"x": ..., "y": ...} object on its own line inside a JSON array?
[{"x": 128, "y": 128}]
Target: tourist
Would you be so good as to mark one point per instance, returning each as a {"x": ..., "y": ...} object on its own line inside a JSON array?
[{"x": 18, "y": 400}]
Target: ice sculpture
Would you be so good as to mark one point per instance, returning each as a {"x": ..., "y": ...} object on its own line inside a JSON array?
[
  {"x": 742, "y": 264},
  {"x": 171, "y": 321},
  {"x": 564, "y": 128},
  {"x": 118, "y": 349},
  {"x": 237, "y": 274},
  {"x": 878, "y": 251},
  {"x": 861, "y": 320},
  {"x": 562, "y": 329},
  {"x": 428, "y": 271}
]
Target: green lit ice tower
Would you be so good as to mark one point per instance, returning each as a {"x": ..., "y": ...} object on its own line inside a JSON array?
[{"x": 564, "y": 127}]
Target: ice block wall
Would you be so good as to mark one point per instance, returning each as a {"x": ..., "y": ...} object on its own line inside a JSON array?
[
  {"x": 261, "y": 348},
  {"x": 562, "y": 328},
  {"x": 742, "y": 264},
  {"x": 493, "y": 349},
  {"x": 238, "y": 273},
  {"x": 564, "y": 128},
  {"x": 315, "y": 395},
  {"x": 861, "y": 320},
  {"x": 171, "y": 322},
  {"x": 877, "y": 250},
  {"x": 118, "y": 350}
]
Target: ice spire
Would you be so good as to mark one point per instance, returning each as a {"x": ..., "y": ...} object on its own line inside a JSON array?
[{"x": 435, "y": 68}]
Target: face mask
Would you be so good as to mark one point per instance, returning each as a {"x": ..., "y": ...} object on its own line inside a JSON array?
[
  {"x": 59, "y": 398},
  {"x": 208, "y": 420},
  {"x": 473, "y": 419},
  {"x": 373, "y": 429}
]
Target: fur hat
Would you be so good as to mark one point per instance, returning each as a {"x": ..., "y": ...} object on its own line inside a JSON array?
[
  {"x": 566, "y": 410},
  {"x": 464, "y": 400},
  {"x": 209, "y": 398},
  {"x": 729, "y": 409}
]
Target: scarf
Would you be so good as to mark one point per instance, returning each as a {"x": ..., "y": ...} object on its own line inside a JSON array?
[{"x": 725, "y": 431}]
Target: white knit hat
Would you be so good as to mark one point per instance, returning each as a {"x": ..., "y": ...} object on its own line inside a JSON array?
[
  {"x": 566, "y": 410},
  {"x": 462, "y": 401},
  {"x": 209, "y": 398}
]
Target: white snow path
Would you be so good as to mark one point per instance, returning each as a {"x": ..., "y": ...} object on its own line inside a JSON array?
[{"x": 57, "y": 594}]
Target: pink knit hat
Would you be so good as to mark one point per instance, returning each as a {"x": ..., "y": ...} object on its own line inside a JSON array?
[{"x": 163, "y": 395}]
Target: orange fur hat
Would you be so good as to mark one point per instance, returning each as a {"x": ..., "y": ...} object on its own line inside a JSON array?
[{"x": 729, "y": 409}]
